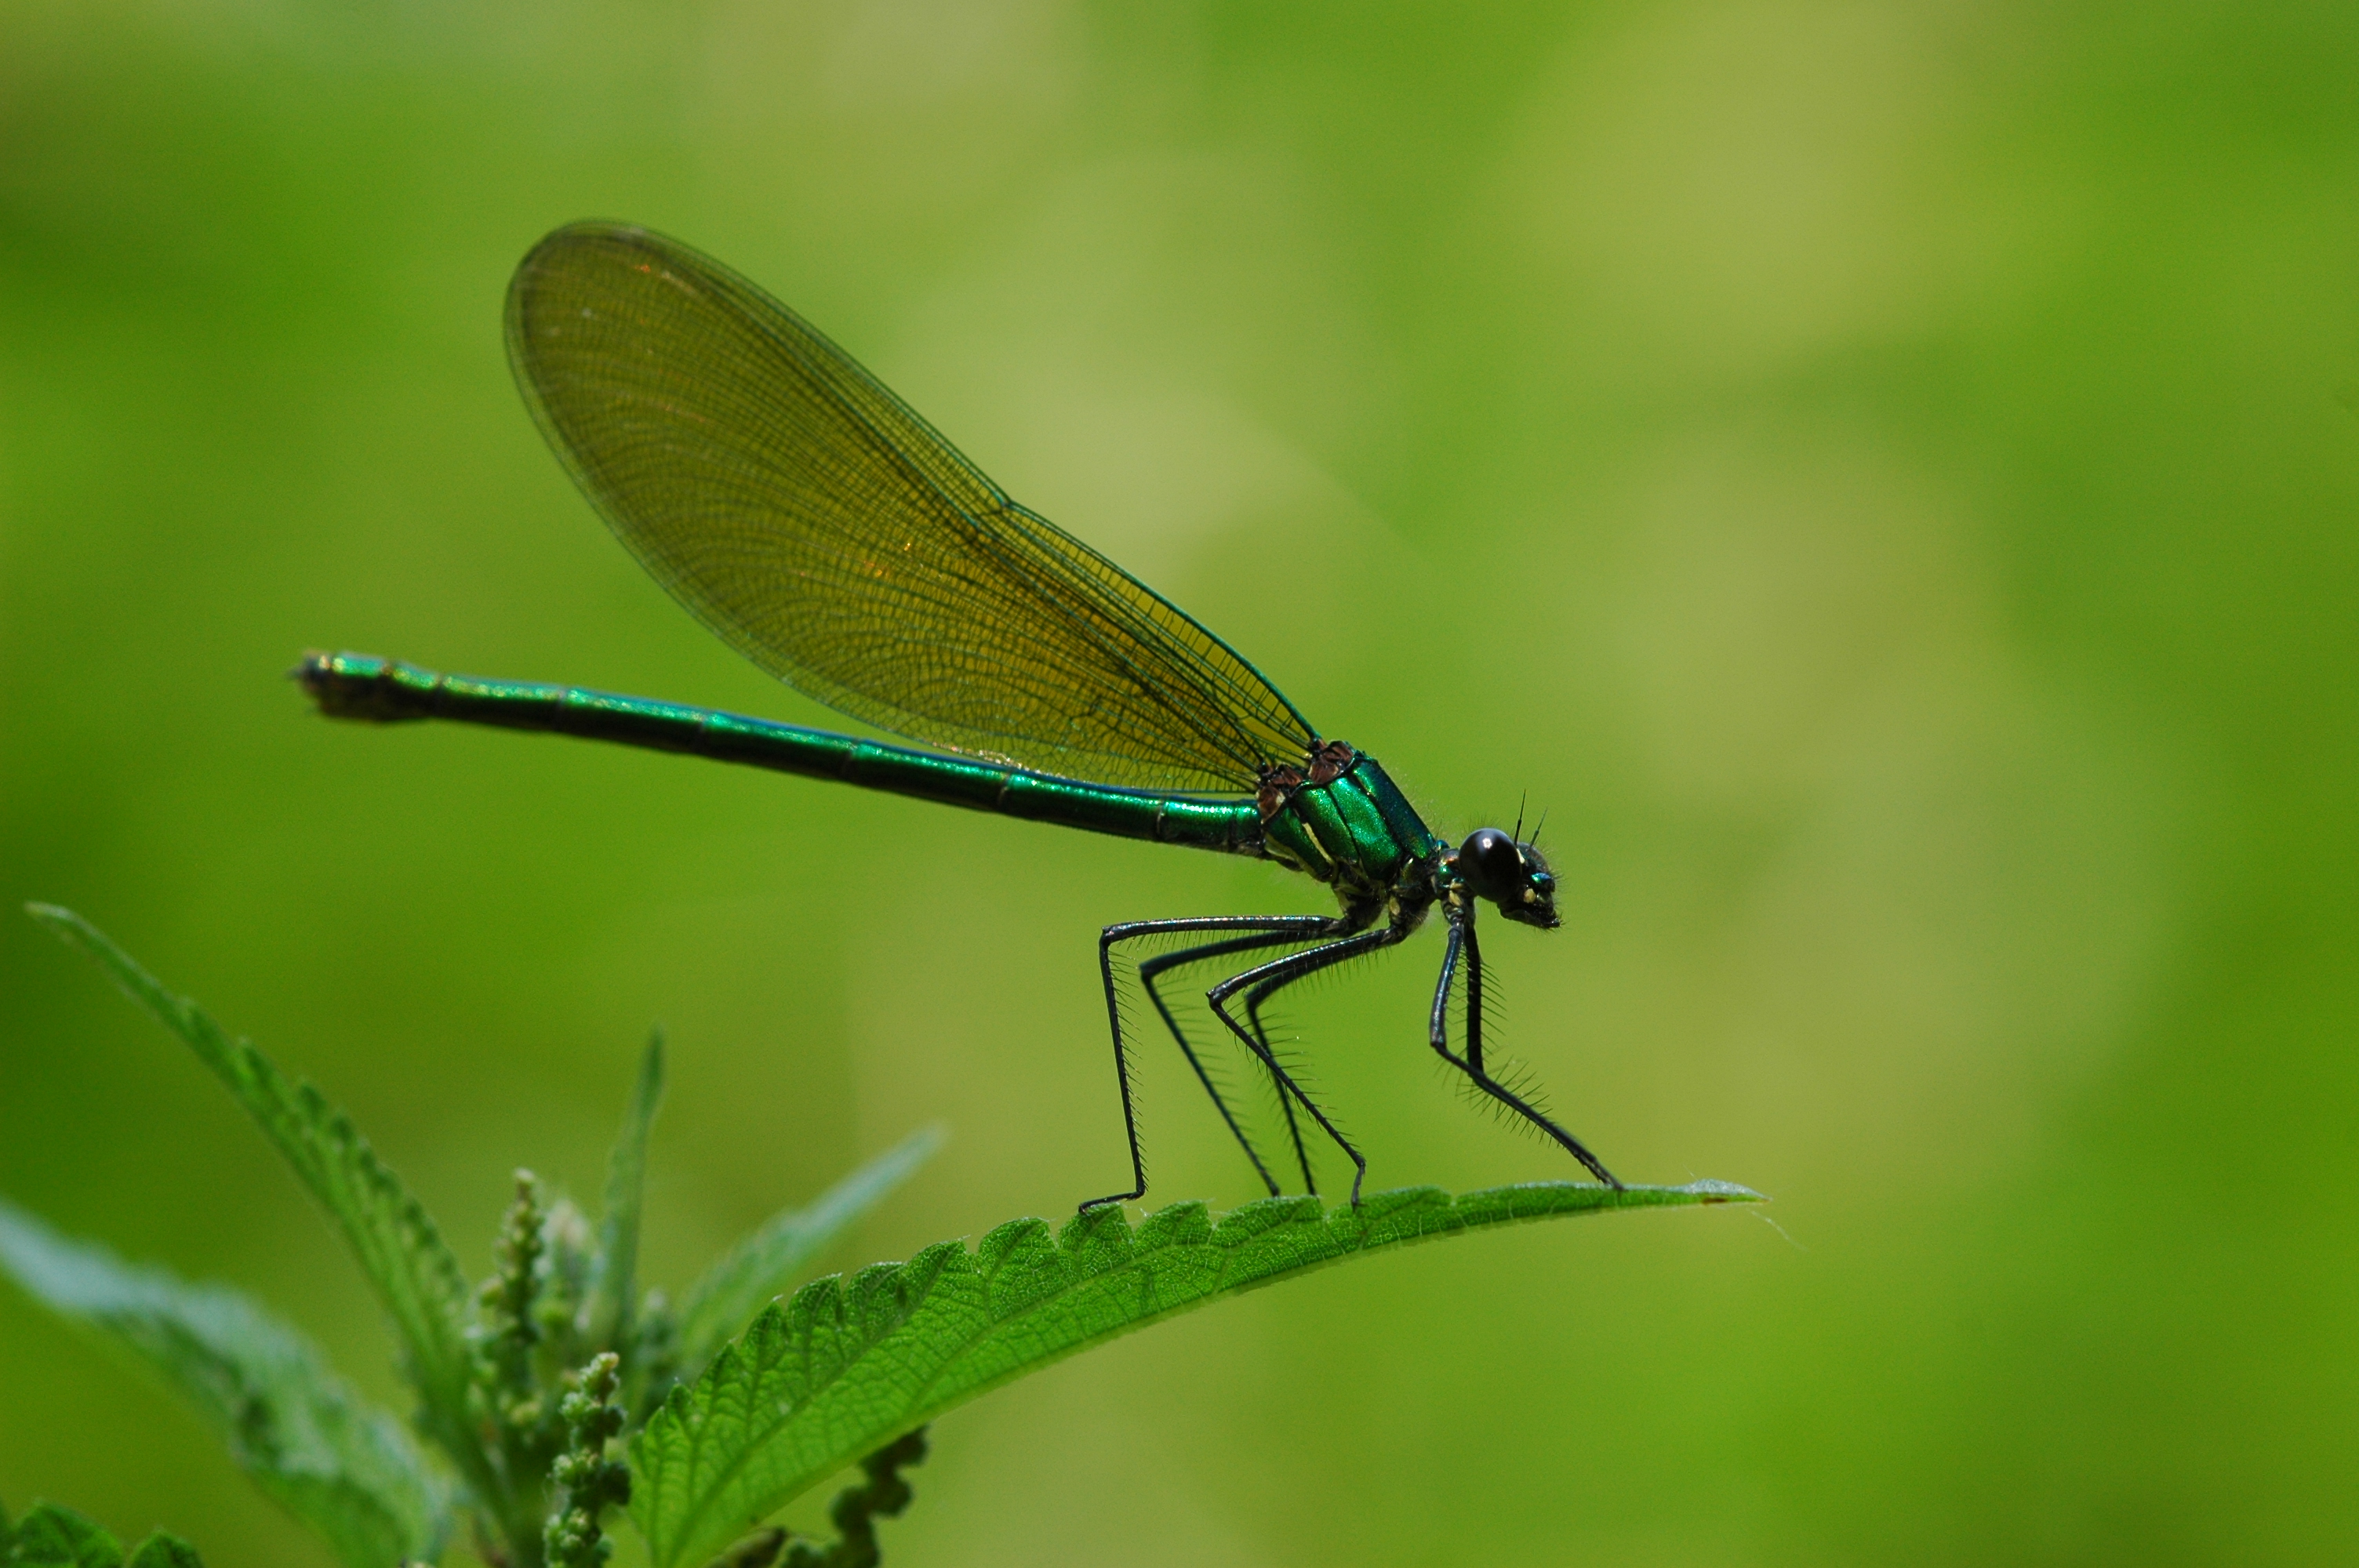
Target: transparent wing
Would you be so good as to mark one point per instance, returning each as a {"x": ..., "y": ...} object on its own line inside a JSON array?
[{"x": 823, "y": 529}]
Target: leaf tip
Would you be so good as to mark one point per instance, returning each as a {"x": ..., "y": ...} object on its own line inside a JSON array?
[
  {"x": 1706, "y": 1189},
  {"x": 59, "y": 920}
]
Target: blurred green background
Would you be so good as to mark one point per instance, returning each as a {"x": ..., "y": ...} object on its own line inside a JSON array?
[{"x": 1881, "y": 476}]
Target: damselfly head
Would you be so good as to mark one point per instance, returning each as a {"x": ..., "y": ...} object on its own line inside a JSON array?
[{"x": 1493, "y": 865}]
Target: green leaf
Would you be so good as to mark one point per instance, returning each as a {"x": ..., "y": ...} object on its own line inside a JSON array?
[
  {"x": 758, "y": 1549},
  {"x": 400, "y": 1248},
  {"x": 346, "y": 1470},
  {"x": 843, "y": 1367},
  {"x": 626, "y": 1172},
  {"x": 54, "y": 1537},
  {"x": 767, "y": 1259},
  {"x": 886, "y": 1494},
  {"x": 162, "y": 1549}
]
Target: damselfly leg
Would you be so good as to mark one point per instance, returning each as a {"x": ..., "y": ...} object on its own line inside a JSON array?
[
  {"x": 1462, "y": 941},
  {"x": 1267, "y": 930},
  {"x": 1151, "y": 970},
  {"x": 1284, "y": 1101},
  {"x": 1274, "y": 976}
]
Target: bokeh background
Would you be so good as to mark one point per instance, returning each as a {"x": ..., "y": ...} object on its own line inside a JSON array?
[{"x": 1881, "y": 476}]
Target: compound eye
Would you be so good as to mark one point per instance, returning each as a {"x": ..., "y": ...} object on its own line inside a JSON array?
[{"x": 1490, "y": 863}]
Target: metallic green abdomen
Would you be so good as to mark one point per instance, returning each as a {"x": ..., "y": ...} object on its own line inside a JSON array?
[
  {"x": 1340, "y": 821},
  {"x": 1354, "y": 830},
  {"x": 356, "y": 685}
]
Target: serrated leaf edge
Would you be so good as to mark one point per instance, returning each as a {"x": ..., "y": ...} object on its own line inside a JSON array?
[
  {"x": 413, "y": 1271},
  {"x": 882, "y": 1298}
]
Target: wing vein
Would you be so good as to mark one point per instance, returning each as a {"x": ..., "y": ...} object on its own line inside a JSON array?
[{"x": 823, "y": 529}]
